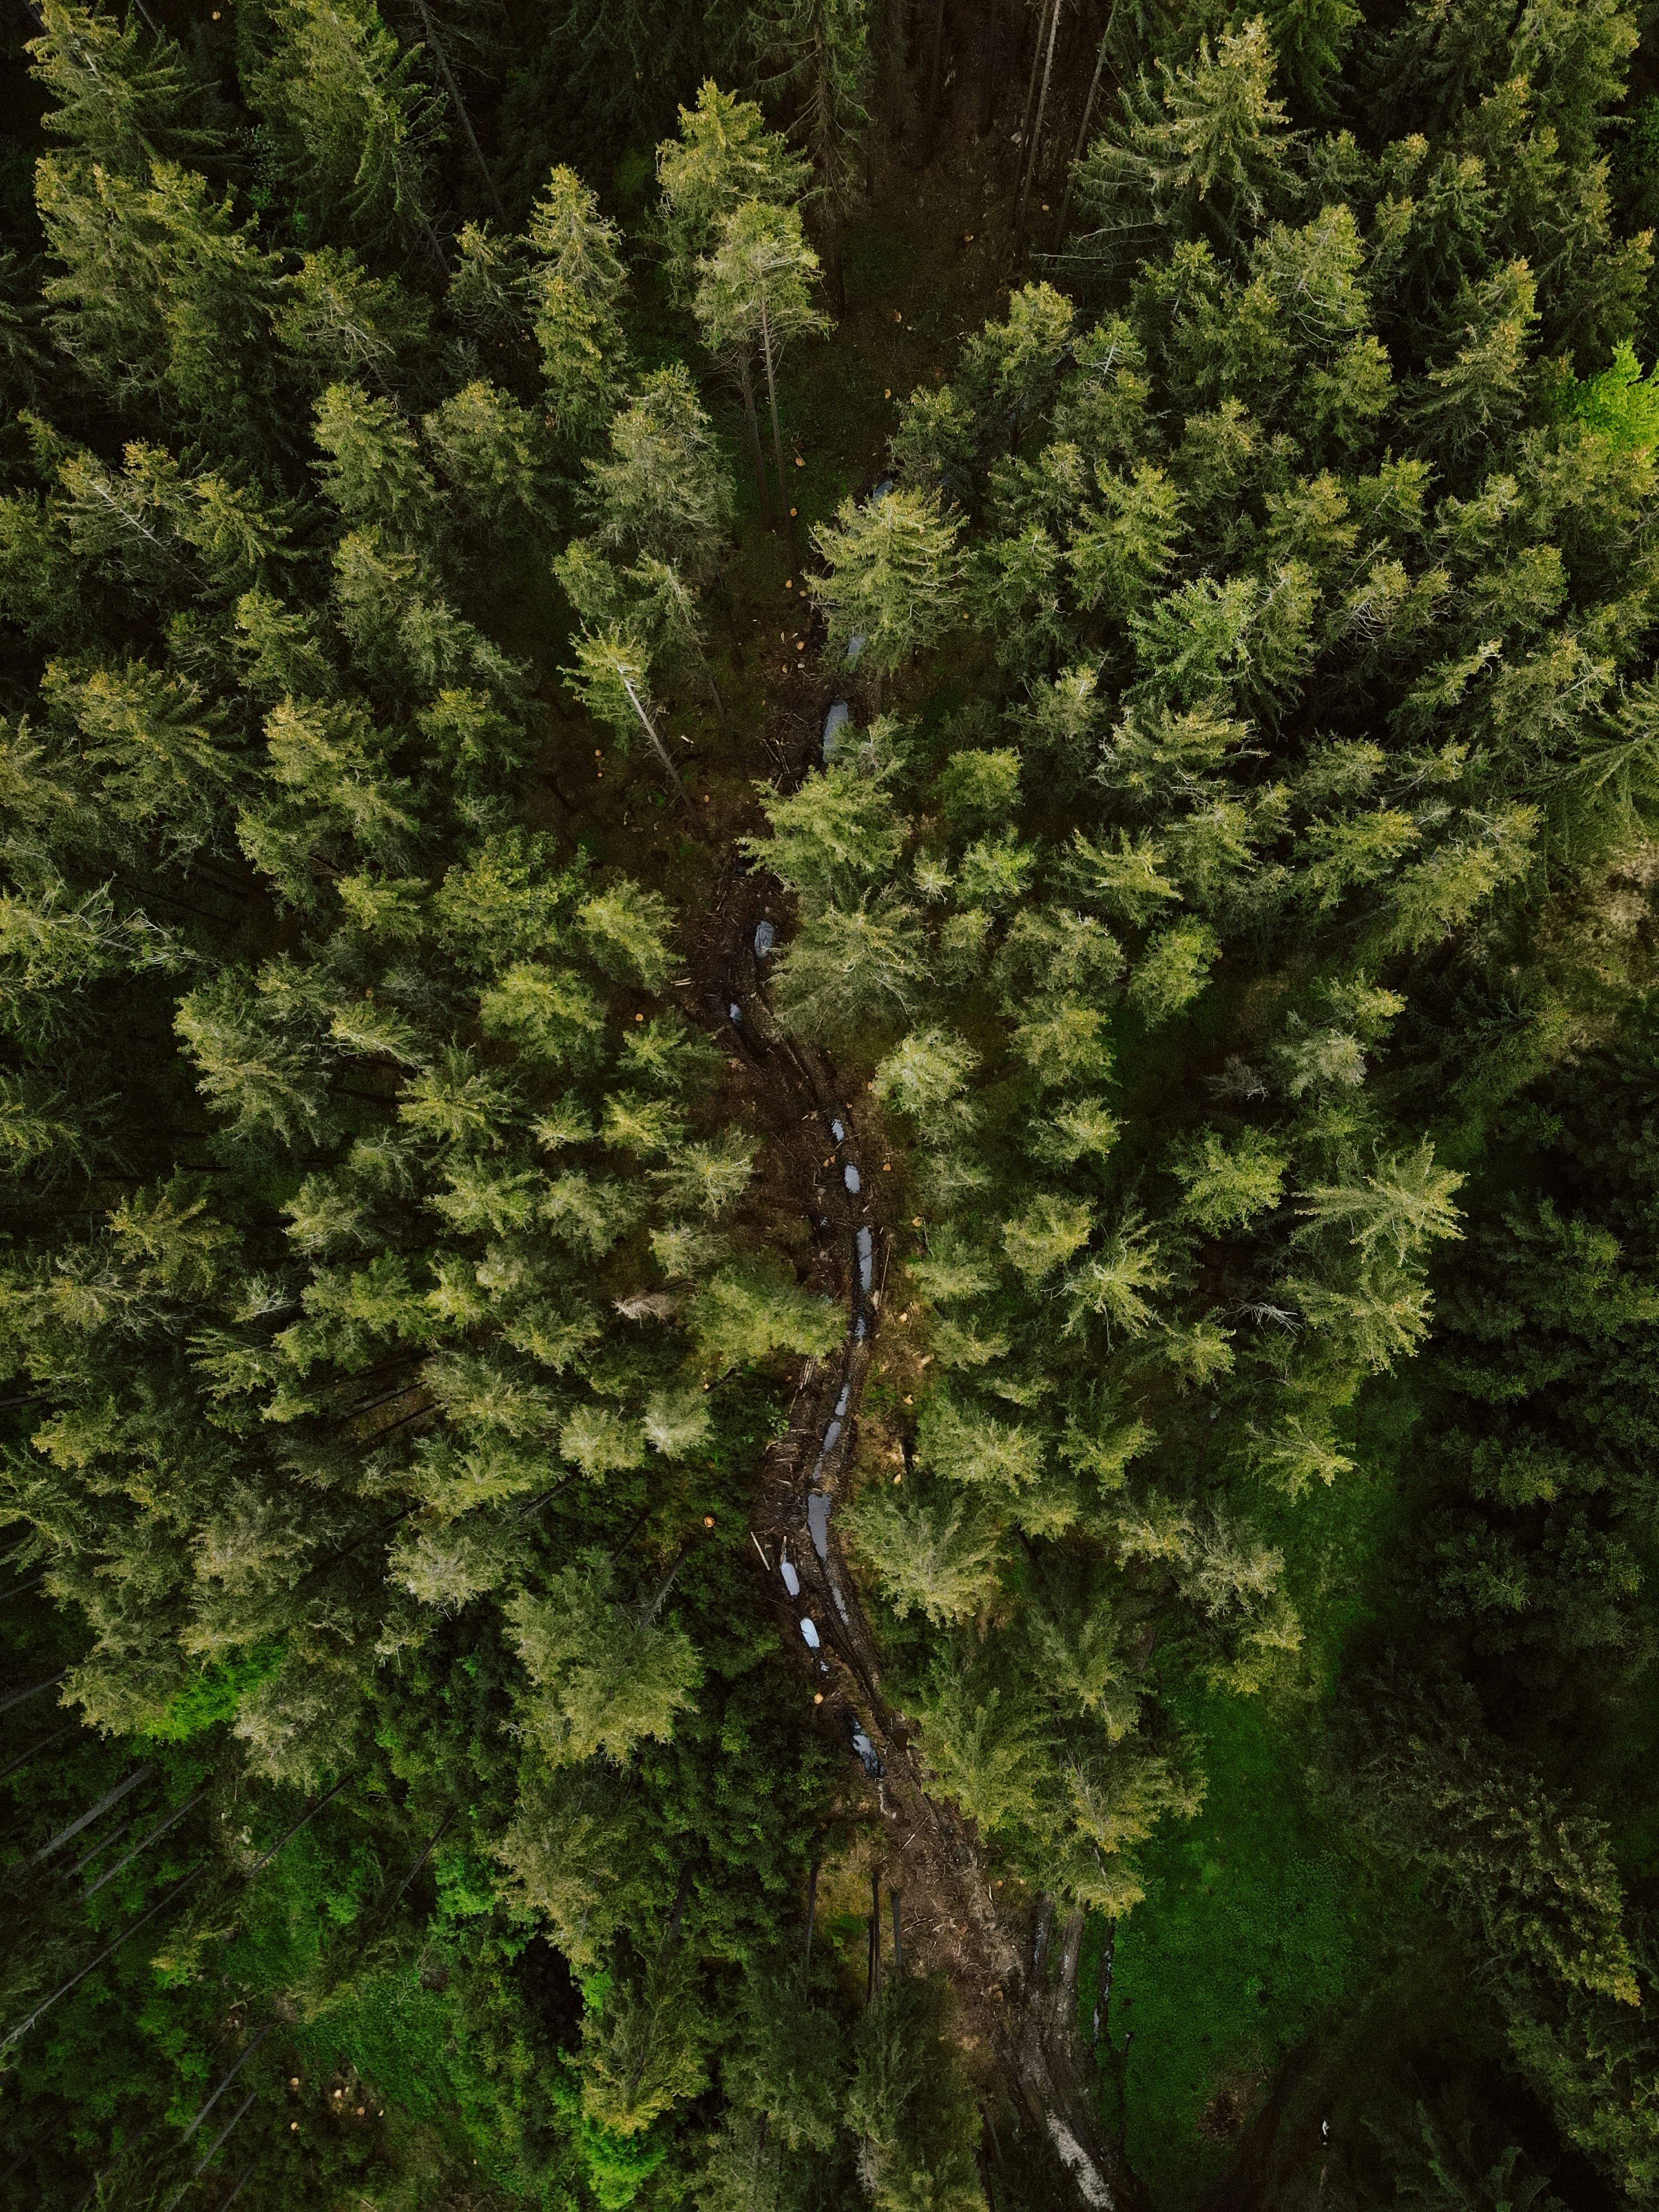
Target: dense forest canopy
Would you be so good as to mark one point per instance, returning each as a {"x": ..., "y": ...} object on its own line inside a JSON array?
[{"x": 830, "y": 1104}]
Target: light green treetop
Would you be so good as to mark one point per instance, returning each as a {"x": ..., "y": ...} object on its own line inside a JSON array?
[
  {"x": 893, "y": 576},
  {"x": 663, "y": 489},
  {"x": 760, "y": 272},
  {"x": 724, "y": 155}
]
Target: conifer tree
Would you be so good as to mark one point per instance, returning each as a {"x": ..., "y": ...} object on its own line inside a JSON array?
[
  {"x": 891, "y": 575},
  {"x": 815, "y": 54},
  {"x": 754, "y": 291},
  {"x": 725, "y": 158},
  {"x": 575, "y": 284},
  {"x": 355, "y": 127}
]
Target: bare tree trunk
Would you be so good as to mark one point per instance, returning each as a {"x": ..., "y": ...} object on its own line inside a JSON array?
[
  {"x": 931, "y": 120},
  {"x": 114, "y": 1797},
  {"x": 661, "y": 750},
  {"x": 751, "y": 438},
  {"x": 1031, "y": 82},
  {"x": 436, "y": 1837},
  {"x": 896, "y": 90},
  {"x": 777, "y": 434},
  {"x": 143, "y": 1844},
  {"x": 990, "y": 77},
  {"x": 104, "y": 1843},
  {"x": 304, "y": 1821},
  {"x": 1071, "y": 1954},
  {"x": 1083, "y": 132},
  {"x": 211, "y": 2152},
  {"x": 837, "y": 273},
  {"x": 658, "y": 1597},
  {"x": 229, "y": 2078},
  {"x": 872, "y": 1979},
  {"x": 459, "y": 105},
  {"x": 1045, "y": 1919},
  {"x": 108, "y": 1952},
  {"x": 1036, "y": 134},
  {"x": 45, "y": 1742},
  {"x": 435, "y": 244},
  {"x": 21, "y": 1697}
]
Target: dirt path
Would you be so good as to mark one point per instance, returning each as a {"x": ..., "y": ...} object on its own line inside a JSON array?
[{"x": 1016, "y": 1991}]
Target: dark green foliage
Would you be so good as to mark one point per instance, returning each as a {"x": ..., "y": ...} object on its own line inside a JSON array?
[
  {"x": 1233, "y": 938},
  {"x": 345, "y": 1109}
]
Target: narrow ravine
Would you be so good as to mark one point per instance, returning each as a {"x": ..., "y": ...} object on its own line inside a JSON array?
[{"x": 1015, "y": 1986}]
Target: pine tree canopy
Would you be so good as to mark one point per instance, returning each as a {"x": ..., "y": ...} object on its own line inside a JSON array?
[{"x": 827, "y": 840}]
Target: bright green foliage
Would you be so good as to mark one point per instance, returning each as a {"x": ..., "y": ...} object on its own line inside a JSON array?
[
  {"x": 745, "y": 1313},
  {"x": 601, "y": 1680},
  {"x": 574, "y": 287},
  {"x": 725, "y": 155},
  {"x": 1620, "y": 403},
  {"x": 979, "y": 789},
  {"x": 891, "y": 577},
  {"x": 937, "y": 1556},
  {"x": 852, "y": 970},
  {"x": 754, "y": 286},
  {"x": 832, "y": 835},
  {"x": 1203, "y": 148},
  {"x": 663, "y": 491},
  {"x": 640, "y": 2051},
  {"x": 1226, "y": 1189},
  {"x": 924, "y": 1077},
  {"x": 121, "y": 100}
]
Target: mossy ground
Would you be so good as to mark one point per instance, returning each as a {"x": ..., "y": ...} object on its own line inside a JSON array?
[{"x": 1260, "y": 1925}]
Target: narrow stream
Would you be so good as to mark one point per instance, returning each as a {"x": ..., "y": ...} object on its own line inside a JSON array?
[{"x": 931, "y": 1853}]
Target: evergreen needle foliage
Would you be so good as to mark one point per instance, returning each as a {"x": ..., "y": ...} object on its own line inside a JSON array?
[{"x": 1220, "y": 911}]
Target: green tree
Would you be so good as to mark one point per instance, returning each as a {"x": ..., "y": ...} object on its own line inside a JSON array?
[
  {"x": 355, "y": 128},
  {"x": 938, "y": 1557},
  {"x": 121, "y": 100},
  {"x": 1203, "y": 149},
  {"x": 750, "y": 1310},
  {"x": 754, "y": 289},
  {"x": 603, "y": 1677},
  {"x": 724, "y": 157},
  {"x": 814, "y": 54},
  {"x": 611, "y": 677},
  {"x": 162, "y": 299},
  {"x": 663, "y": 491},
  {"x": 1224, "y": 1188},
  {"x": 639, "y": 2050},
  {"x": 892, "y": 575},
  {"x": 911, "y": 2105},
  {"x": 576, "y": 285}
]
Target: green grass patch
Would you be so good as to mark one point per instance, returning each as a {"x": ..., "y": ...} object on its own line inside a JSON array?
[
  {"x": 1253, "y": 1925},
  {"x": 1259, "y": 1917}
]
